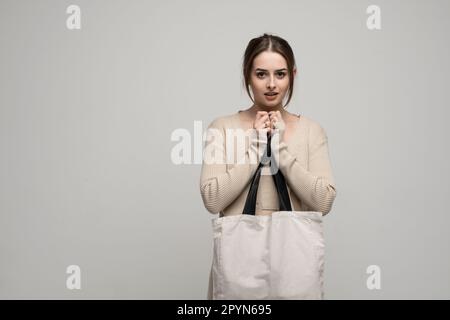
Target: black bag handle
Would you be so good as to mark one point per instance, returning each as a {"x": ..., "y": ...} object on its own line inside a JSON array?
[{"x": 284, "y": 200}]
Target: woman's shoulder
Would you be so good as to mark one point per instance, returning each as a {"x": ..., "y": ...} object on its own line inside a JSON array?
[
  {"x": 315, "y": 129},
  {"x": 223, "y": 121}
]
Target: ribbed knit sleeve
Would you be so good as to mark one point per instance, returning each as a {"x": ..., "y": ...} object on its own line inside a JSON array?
[
  {"x": 315, "y": 186},
  {"x": 220, "y": 186}
]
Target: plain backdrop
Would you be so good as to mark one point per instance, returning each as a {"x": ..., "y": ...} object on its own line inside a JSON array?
[{"x": 86, "y": 118}]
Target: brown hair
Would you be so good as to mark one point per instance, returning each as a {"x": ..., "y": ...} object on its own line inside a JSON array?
[{"x": 272, "y": 43}]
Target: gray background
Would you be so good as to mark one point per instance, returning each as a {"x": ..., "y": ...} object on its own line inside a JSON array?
[{"x": 86, "y": 118}]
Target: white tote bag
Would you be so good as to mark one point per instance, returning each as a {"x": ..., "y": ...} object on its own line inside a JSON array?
[{"x": 277, "y": 256}]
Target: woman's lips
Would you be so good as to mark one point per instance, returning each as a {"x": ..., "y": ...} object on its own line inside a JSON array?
[{"x": 270, "y": 97}]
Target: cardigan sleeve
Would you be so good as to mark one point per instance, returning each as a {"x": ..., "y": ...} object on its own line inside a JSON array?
[
  {"x": 221, "y": 185},
  {"x": 315, "y": 186}
]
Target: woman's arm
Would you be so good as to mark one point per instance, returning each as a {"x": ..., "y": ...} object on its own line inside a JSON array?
[
  {"x": 316, "y": 186},
  {"x": 219, "y": 187}
]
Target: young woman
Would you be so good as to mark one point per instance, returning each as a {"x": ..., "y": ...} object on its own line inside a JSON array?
[{"x": 302, "y": 146}]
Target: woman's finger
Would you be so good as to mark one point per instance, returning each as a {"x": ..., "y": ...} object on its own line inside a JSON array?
[{"x": 261, "y": 114}]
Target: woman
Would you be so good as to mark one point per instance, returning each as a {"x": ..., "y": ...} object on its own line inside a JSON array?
[{"x": 301, "y": 147}]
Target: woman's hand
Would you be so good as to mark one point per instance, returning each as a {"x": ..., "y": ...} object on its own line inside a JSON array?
[
  {"x": 262, "y": 122},
  {"x": 277, "y": 124}
]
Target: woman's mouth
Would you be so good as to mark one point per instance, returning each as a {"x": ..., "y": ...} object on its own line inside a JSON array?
[{"x": 271, "y": 95}]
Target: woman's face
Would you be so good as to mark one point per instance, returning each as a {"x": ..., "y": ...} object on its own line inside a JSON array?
[{"x": 269, "y": 74}]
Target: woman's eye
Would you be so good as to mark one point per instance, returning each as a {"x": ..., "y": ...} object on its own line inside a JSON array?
[{"x": 280, "y": 74}]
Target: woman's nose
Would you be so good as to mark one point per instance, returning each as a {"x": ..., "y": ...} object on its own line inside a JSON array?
[{"x": 271, "y": 83}]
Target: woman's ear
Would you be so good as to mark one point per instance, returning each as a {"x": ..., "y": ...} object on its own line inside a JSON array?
[{"x": 295, "y": 71}]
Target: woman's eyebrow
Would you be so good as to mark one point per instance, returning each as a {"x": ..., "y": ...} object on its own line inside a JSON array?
[{"x": 259, "y": 69}]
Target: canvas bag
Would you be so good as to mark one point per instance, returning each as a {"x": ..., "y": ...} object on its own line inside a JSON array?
[{"x": 277, "y": 256}]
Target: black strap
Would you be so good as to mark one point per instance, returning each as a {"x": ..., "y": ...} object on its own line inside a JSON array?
[{"x": 284, "y": 200}]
